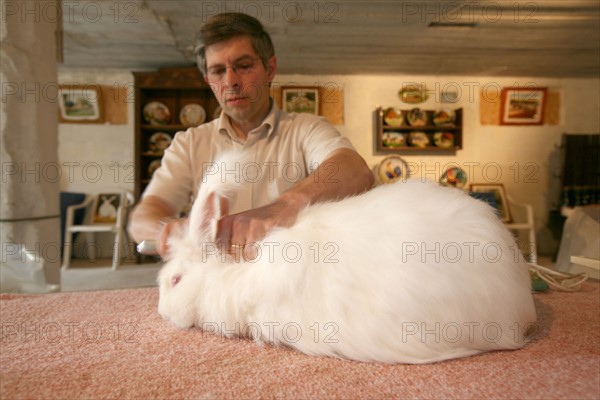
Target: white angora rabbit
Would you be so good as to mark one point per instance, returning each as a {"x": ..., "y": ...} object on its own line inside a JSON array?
[{"x": 410, "y": 272}]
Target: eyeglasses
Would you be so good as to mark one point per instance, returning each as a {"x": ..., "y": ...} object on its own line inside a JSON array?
[{"x": 244, "y": 66}]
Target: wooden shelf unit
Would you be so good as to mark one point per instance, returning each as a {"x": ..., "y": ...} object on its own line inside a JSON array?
[
  {"x": 175, "y": 88},
  {"x": 380, "y": 127}
]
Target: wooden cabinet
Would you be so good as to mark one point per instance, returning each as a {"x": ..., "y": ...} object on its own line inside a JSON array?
[
  {"x": 160, "y": 99},
  {"x": 426, "y": 137}
]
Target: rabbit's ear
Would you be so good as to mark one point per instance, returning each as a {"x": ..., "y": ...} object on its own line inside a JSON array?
[
  {"x": 205, "y": 215},
  {"x": 214, "y": 195}
]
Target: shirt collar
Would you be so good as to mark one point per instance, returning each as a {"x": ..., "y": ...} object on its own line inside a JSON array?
[{"x": 267, "y": 126}]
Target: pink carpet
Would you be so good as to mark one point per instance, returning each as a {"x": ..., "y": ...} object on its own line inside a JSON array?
[{"x": 113, "y": 344}]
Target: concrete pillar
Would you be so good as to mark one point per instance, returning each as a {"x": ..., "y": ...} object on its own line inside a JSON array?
[{"x": 29, "y": 194}]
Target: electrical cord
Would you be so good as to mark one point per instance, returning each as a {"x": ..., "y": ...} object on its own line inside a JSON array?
[{"x": 558, "y": 280}]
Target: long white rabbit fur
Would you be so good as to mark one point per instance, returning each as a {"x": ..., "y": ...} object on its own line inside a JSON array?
[{"x": 410, "y": 272}]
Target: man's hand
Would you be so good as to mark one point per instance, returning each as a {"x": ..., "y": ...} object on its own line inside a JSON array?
[
  {"x": 238, "y": 233},
  {"x": 145, "y": 222},
  {"x": 168, "y": 228}
]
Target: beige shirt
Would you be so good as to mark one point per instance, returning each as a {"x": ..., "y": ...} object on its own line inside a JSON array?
[{"x": 283, "y": 150}]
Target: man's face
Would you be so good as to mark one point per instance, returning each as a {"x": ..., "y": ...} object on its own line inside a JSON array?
[{"x": 239, "y": 79}]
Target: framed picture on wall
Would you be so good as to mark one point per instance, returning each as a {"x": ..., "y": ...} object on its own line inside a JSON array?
[
  {"x": 498, "y": 196},
  {"x": 301, "y": 99},
  {"x": 106, "y": 207},
  {"x": 522, "y": 106},
  {"x": 80, "y": 104}
]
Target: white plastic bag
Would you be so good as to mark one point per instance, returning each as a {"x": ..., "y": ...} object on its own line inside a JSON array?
[
  {"x": 23, "y": 272},
  {"x": 580, "y": 237}
]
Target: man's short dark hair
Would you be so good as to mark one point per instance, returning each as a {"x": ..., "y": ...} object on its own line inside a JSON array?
[{"x": 229, "y": 25}]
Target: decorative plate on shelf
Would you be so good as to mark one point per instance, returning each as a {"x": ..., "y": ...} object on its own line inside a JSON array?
[
  {"x": 154, "y": 165},
  {"x": 444, "y": 117},
  {"x": 417, "y": 117},
  {"x": 393, "y": 139},
  {"x": 393, "y": 116},
  {"x": 444, "y": 140},
  {"x": 159, "y": 142},
  {"x": 418, "y": 139},
  {"x": 391, "y": 169},
  {"x": 156, "y": 113},
  {"x": 454, "y": 177},
  {"x": 217, "y": 112},
  {"x": 192, "y": 115}
]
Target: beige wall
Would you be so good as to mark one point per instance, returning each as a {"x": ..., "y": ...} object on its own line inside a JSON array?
[
  {"x": 97, "y": 157},
  {"x": 524, "y": 159}
]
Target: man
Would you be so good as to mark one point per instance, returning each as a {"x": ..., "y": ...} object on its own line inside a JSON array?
[{"x": 237, "y": 59}]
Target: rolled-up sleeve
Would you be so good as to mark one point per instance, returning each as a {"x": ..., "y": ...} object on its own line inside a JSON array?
[{"x": 320, "y": 141}]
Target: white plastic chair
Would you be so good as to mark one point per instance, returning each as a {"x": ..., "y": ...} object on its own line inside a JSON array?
[
  {"x": 105, "y": 212},
  {"x": 522, "y": 220}
]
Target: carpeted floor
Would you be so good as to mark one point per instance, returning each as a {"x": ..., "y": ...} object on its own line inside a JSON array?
[{"x": 114, "y": 345}]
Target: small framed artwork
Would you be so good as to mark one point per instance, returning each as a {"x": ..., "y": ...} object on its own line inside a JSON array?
[
  {"x": 80, "y": 104},
  {"x": 106, "y": 208},
  {"x": 301, "y": 100},
  {"x": 522, "y": 106},
  {"x": 498, "y": 194}
]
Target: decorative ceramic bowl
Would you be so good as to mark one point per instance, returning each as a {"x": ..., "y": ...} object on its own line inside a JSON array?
[
  {"x": 443, "y": 140},
  {"x": 192, "y": 115},
  {"x": 392, "y": 169},
  {"x": 393, "y": 117},
  {"x": 418, "y": 139},
  {"x": 454, "y": 177},
  {"x": 444, "y": 117},
  {"x": 393, "y": 139},
  {"x": 417, "y": 117},
  {"x": 156, "y": 113}
]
